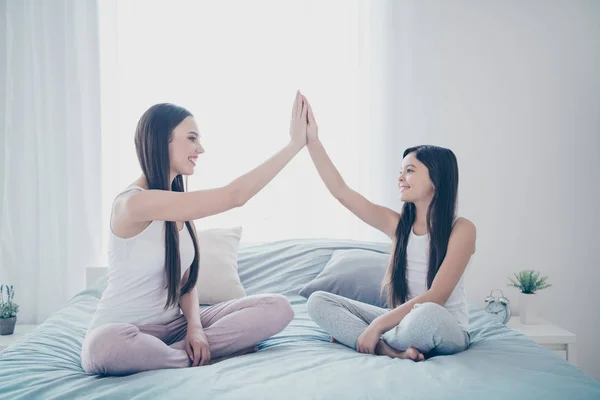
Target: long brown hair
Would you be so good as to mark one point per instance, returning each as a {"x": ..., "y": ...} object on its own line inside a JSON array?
[
  {"x": 443, "y": 172},
  {"x": 153, "y": 134}
]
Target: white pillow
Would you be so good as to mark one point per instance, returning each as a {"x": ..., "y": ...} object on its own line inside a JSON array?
[{"x": 218, "y": 278}]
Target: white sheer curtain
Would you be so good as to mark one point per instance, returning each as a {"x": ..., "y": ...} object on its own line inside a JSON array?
[
  {"x": 50, "y": 208},
  {"x": 236, "y": 66}
]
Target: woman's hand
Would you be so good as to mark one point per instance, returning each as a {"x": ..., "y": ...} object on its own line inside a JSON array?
[
  {"x": 367, "y": 341},
  {"x": 197, "y": 347},
  {"x": 298, "y": 122},
  {"x": 312, "y": 130}
]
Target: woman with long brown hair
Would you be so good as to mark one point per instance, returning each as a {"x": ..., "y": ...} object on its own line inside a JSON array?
[{"x": 149, "y": 316}]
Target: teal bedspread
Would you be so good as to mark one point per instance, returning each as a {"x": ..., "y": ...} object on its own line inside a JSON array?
[{"x": 299, "y": 362}]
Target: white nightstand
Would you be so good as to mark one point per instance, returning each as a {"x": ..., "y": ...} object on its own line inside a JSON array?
[
  {"x": 550, "y": 336},
  {"x": 20, "y": 331}
]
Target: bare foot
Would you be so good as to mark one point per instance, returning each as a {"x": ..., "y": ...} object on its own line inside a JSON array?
[
  {"x": 409, "y": 354},
  {"x": 241, "y": 352},
  {"x": 332, "y": 340}
]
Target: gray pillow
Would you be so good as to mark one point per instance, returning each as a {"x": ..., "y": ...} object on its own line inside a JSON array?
[{"x": 354, "y": 273}]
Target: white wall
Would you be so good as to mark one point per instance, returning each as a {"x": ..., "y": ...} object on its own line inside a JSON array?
[{"x": 513, "y": 88}]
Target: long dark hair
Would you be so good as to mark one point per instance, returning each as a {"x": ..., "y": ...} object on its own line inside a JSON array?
[
  {"x": 153, "y": 134},
  {"x": 443, "y": 172}
]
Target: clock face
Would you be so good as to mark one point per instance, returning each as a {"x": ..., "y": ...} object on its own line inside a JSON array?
[{"x": 498, "y": 311}]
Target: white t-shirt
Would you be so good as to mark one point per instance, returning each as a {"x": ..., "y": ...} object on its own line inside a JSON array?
[
  {"x": 136, "y": 292},
  {"x": 417, "y": 266}
]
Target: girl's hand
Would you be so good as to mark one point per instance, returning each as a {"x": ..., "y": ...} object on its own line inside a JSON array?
[
  {"x": 298, "y": 122},
  {"x": 312, "y": 130},
  {"x": 367, "y": 341},
  {"x": 197, "y": 347}
]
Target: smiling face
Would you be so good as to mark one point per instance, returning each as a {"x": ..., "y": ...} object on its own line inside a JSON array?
[
  {"x": 185, "y": 147},
  {"x": 414, "y": 181}
]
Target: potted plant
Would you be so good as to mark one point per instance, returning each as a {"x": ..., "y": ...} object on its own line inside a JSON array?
[
  {"x": 8, "y": 310},
  {"x": 529, "y": 282}
]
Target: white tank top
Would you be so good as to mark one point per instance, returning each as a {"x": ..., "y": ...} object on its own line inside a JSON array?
[
  {"x": 417, "y": 265},
  {"x": 136, "y": 292}
]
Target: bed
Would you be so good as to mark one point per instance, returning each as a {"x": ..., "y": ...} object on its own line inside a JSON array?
[{"x": 299, "y": 362}]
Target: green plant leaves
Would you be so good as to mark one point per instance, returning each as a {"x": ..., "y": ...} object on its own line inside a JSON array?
[
  {"x": 8, "y": 309},
  {"x": 529, "y": 281}
]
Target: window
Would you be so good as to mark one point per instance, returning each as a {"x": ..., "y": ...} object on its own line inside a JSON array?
[{"x": 236, "y": 66}]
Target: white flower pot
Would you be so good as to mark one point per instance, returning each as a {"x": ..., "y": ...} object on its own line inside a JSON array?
[{"x": 528, "y": 308}]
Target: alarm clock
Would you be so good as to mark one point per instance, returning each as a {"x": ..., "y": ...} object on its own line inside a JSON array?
[{"x": 498, "y": 307}]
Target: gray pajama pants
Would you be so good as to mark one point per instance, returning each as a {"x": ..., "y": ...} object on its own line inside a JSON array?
[
  {"x": 123, "y": 349},
  {"x": 428, "y": 327}
]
